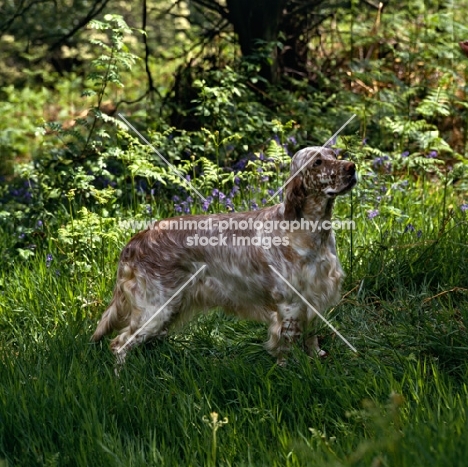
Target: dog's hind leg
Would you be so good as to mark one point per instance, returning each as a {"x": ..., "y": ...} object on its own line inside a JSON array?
[{"x": 151, "y": 314}]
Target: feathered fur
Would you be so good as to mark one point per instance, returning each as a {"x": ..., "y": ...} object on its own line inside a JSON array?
[{"x": 157, "y": 262}]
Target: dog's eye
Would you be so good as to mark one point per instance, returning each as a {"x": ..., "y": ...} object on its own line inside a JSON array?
[{"x": 318, "y": 162}]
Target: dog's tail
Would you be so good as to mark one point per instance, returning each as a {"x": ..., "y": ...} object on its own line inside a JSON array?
[{"x": 117, "y": 315}]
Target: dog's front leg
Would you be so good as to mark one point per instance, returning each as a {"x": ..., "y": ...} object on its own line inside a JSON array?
[{"x": 286, "y": 330}]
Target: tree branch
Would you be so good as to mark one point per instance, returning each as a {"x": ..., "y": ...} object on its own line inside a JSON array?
[{"x": 98, "y": 6}]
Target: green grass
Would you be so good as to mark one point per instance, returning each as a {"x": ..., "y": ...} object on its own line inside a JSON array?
[{"x": 402, "y": 400}]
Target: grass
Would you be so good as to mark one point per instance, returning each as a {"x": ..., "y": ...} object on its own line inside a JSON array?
[{"x": 402, "y": 400}]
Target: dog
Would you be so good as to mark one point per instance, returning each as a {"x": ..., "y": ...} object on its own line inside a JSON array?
[{"x": 182, "y": 266}]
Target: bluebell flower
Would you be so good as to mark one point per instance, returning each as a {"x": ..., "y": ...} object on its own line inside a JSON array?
[
  {"x": 432, "y": 155},
  {"x": 206, "y": 205},
  {"x": 189, "y": 199},
  {"x": 149, "y": 209},
  {"x": 254, "y": 205},
  {"x": 49, "y": 259},
  {"x": 373, "y": 213},
  {"x": 464, "y": 207},
  {"x": 379, "y": 161},
  {"x": 221, "y": 195},
  {"x": 265, "y": 178},
  {"x": 187, "y": 177},
  {"x": 364, "y": 141},
  {"x": 177, "y": 208},
  {"x": 240, "y": 165},
  {"x": 175, "y": 198},
  {"x": 234, "y": 191},
  {"x": 271, "y": 192},
  {"x": 236, "y": 180},
  {"x": 292, "y": 140},
  {"x": 215, "y": 192},
  {"x": 409, "y": 228},
  {"x": 419, "y": 233},
  {"x": 261, "y": 156},
  {"x": 39, "y": 223},
  {"x": 264, "y": 201},
  {"x": 405, "y": 154}
]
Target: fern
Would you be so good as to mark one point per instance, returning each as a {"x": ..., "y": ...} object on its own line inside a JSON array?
[{"x": 435, "y": 103}]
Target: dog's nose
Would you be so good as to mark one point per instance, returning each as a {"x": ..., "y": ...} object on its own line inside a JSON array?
[{"x": 350, "y": 168}]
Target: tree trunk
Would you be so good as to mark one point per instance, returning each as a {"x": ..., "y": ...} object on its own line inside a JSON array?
[{"x": 256, "y": 23}]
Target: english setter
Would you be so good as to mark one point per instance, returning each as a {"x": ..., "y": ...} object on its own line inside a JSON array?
[{"x": 248, "y": 263}]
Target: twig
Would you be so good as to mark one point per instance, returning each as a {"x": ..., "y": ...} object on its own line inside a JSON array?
[{"x": 455, "y": 289}]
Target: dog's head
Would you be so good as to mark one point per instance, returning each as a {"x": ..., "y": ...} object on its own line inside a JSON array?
[{"x": 317, "y": 173}]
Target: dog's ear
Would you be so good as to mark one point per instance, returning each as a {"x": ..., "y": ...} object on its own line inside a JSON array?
[{"x": 294, "y": 199}]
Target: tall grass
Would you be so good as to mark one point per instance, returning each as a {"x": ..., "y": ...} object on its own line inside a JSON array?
[{"x": 400, "y": 401}]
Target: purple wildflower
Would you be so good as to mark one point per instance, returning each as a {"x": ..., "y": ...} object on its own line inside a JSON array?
[
  {"x": 419, "y": 233},
  {"x": 215, "y": 192},
  {"x": 254, "y": 205},
  {"x": 265, "y": 178},
  {"x": 187, "y": 177},
  {"x": 409, "y": 228},
  {"x": 177, "y": 208},
  {"x": 241, "y": 164},
  {"x": 292, "y": 140},
  {"x": 373, "y": 213},
  {"x": 221, "y": 195},
  {"x": 49, "y": 259},
  {"x": 206, "y": 205},
  {"x": 175, "y": 198},
  {"x": 405, "y": 154},
  {"x": 236, "y": 180},
  {"x": 432, "y": 155},
  {"x": 149, "y": 209},
  {"x": 39, "y": 223},
  {"x": 379, "y": 162},
  {"x": 464, "y": 207}
]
